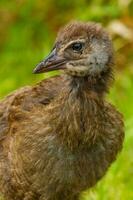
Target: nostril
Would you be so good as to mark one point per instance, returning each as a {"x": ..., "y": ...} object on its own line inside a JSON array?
[{"x": 42, "y": 63}]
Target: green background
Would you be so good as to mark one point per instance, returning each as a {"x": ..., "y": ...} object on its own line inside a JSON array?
[{"x": 27, "y": 31}]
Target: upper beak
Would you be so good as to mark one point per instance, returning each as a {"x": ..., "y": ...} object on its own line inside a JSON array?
[{"x": 52, "y": 62}]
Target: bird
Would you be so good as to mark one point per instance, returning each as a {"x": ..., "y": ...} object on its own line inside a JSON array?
[{"x": 59, "y": 137}]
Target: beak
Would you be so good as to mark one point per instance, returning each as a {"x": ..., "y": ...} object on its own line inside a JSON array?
[{"x": 52, "y": 62}]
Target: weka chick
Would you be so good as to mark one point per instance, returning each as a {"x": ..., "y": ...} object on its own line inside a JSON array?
[{"x": 59, "y": 137}]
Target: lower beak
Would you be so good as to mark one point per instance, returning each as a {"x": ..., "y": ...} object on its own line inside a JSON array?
[{"x": 52, "y": 62}]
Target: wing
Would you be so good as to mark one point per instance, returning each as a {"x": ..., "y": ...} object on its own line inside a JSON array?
[
  {"x": 5, "y": 106},
  {"x": 24, "y": 99}
]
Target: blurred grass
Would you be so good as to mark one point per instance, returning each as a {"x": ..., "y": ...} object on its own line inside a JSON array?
[{"x": 27, "y": 32}]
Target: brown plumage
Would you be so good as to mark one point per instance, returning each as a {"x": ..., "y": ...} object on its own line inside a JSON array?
[{"x": 59, "y": 137}]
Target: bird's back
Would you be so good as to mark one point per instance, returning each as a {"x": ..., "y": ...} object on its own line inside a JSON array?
[{"x": 25, "y": 99}]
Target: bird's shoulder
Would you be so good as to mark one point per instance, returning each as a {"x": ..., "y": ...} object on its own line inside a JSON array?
[
  {"x": 45, "y": 91},
  {"x": 17, "y": 104}
]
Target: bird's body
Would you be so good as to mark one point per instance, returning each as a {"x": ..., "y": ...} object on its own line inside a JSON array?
[{"x": 57, "y": 138}]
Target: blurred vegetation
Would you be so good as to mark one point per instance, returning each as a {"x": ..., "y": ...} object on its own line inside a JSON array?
[{"x": 27, "y": 32}]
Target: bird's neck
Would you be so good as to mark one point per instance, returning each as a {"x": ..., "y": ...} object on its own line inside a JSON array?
[
  {"x": 92, "y": 84},
  {"x": 76, "y": 113}
]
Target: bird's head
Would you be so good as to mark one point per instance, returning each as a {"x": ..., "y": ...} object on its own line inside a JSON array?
[{"x": 81, "y": 49}]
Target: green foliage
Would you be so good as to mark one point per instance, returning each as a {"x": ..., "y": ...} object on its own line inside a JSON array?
[{"x": 27, "y": 32}]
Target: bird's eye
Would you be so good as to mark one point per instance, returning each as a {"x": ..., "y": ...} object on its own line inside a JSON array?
[{"x": 78, "y": 46}]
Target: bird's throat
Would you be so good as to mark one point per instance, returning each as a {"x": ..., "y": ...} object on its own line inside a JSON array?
[{"x": 98, "y": 84}]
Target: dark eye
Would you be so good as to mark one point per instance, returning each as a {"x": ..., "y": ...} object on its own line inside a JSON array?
[{"x": 77, "y": 46}]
